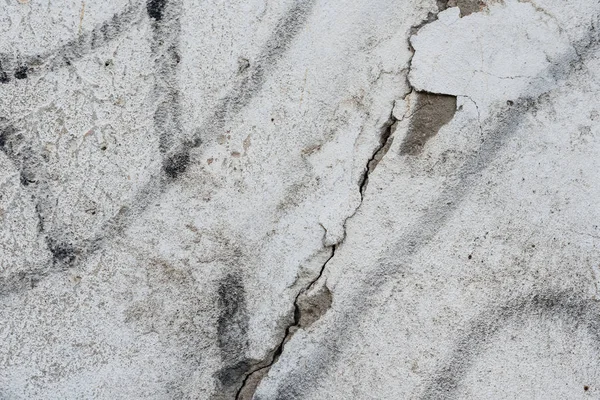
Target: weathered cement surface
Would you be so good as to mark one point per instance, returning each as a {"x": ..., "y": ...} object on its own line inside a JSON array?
[{"x": 299, "y": 199}]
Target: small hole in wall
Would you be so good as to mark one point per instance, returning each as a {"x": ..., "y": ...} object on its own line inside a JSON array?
[
  {"x": 103, "y": 148},
  {"x": 510, "y": 103},
  {"x": 272, "y": 119},
  {"x": 470, "y": 256},
  {"x": 586, "y": 388}
]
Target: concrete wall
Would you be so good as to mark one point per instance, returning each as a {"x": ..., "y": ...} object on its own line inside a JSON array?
[{"x": 299, "y": 199}]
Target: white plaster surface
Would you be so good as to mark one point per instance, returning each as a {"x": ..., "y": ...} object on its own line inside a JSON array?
[{"x": 178, "y": 177}]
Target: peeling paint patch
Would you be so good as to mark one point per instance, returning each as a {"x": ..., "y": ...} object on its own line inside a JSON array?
[
  {"x": 488, "y": 57},
  {"x": 467, "y": 7},
  {"x": 432, "y": 111},
  {"x": 311, "y": 307}
]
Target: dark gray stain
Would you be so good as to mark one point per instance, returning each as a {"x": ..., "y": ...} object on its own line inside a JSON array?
[
  {"x": 251, "y": 79},
  {"x": 19, "y": 281},
  {"x": 231, "y": 323},
  {"x": 232, "y": 376},
  {"x": 25, "y": 179},
  {"x": 30, "y": 165},
  {"x": 63, "y": 253},
  {"x": 566, "y": 307},
  {"x": 232, "y": 331},
  {"x": 166, "y": 29},
  {"x": 7, "y": 137},
  {"x": 24, "y": 155},
  {"x": 31, "y": 173},
  {"x": 432, "y": 111},
  {"x": 243, "y": 64},
  {"x": 176, "y": 164},
  {"x": 155, "y": 9},
  {"x": 175, "y": 156},
  {"x": 21, "y": 155},
  {"x": 498, "y": 130},
  {"x": 276, "y": 45},
  {"x": 3, "y": 75},
  {"x": 72, "y": 50},
  {"x": 21, "y": 72}
]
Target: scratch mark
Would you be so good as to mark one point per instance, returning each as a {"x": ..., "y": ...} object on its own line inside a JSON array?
[
  {"x": 81, "y": 18},
  {"x": 303, "y": 85}
]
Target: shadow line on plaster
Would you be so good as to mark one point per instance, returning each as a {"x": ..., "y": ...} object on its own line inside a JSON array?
[{"x": 567, "y": 307}]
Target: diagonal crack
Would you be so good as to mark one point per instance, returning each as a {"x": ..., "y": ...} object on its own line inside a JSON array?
[
  {"x": 305, "y": 302},
  {"x": 385, "y": 141},
  {"x": 310, "y": 307},
  {"x": 253, "y": 379}
]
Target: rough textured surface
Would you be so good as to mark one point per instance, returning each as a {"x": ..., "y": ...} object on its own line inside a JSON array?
[{"x": 299, "y": 199}]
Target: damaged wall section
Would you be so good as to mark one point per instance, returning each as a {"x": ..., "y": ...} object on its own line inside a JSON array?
[{"x": 432, "y": 111}]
